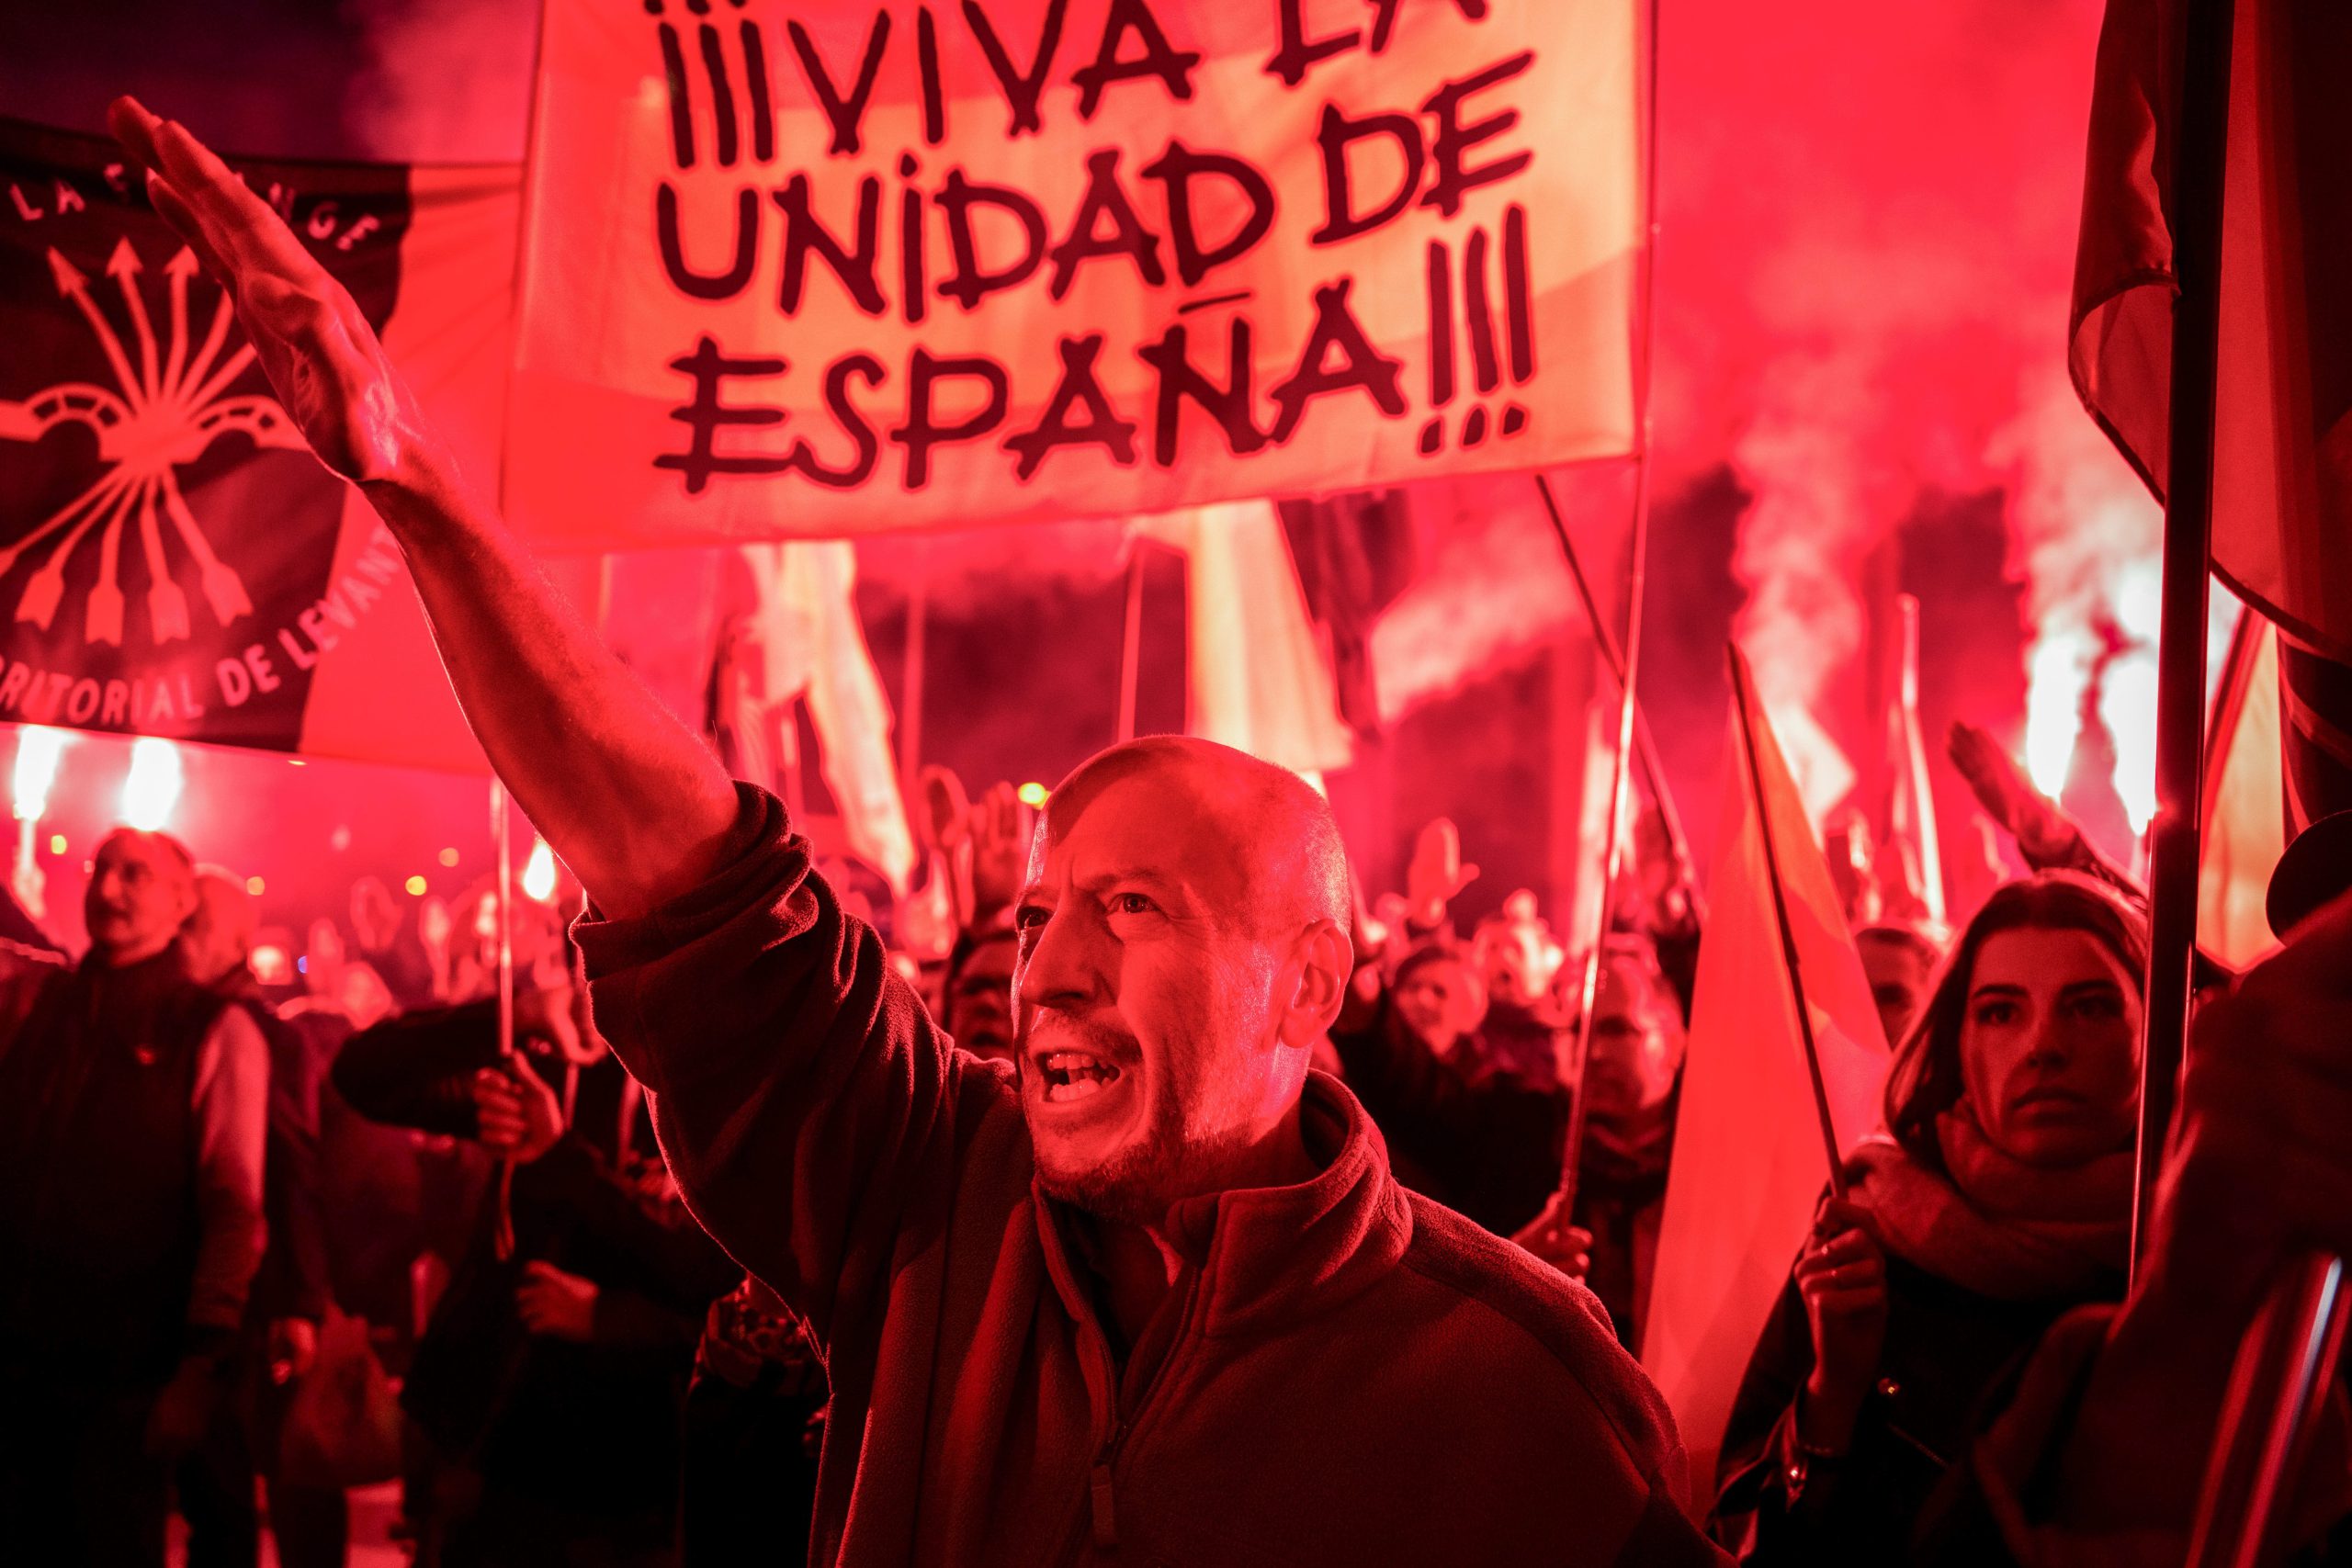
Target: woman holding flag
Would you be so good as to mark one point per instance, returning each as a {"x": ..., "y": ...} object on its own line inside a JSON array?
[{"x": 1996, "y": 1197}]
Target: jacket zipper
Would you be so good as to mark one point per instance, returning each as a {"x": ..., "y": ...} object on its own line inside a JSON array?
[
  {"x": 1101, "y": 1507},
  {"x": 1102, "y": 1503}
]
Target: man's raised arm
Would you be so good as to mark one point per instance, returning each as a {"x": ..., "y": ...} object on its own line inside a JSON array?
[{"x": 630, "y": 800}]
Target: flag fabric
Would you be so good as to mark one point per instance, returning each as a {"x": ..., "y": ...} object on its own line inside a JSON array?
[
  {"x": 1910, "y": 851},
  {"x": 1749, "y": 1165},
  {"x": 2244, "y": 817},
  {"x": 813, "y": 271},
  {"x": 1258, "y": 677},
  {"x": 2315, "y": 704},
  {"x": 805, "y": 644},
  {"x": 2282, "y": 437},
  {"x": 1355, "y": 555},
  {"x": 173, "y": 560}
]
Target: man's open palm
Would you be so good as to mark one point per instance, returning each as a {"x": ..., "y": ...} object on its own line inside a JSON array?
[{"x": 322, "y": 356}]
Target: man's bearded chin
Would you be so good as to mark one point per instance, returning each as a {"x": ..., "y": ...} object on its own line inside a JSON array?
[
  {"x": 1130, "y": 1188},
  {"x": 1140, "y": 1183}
]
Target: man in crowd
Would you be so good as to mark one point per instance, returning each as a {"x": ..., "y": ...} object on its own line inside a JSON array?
[
  {"x": 550, "y": 1382},
  {"x": 289, "y": 1299},
  {"x": 1632, "y": 1074},
  {"x": 1899, "y": 960},
  {"x": 1482, "y": 1140},
  {"x": 1152, "y": 1291},
  {"x": 977, "y": 1010},
  {"x": 132, "y": 1114},
  {"x": 1438, "y": 992}
]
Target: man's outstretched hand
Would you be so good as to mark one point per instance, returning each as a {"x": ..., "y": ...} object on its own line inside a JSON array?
[
  {"x": 628, "y": 797},
  {"x": 2043, "y": 833},
  {"x": 320, "y": 356}
]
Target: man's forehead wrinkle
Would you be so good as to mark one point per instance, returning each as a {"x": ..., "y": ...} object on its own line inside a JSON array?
[{"x": 1252, "y": 835}]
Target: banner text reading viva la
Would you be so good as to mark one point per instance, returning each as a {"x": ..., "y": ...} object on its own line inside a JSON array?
[{"x": 818, "y": 270}]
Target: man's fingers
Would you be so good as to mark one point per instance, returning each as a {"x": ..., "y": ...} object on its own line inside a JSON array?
[
  {"x": 238, "y": 223},
  {"x": 185, "y": 223},
  {"x": 133, "y": 124},
  {"x": 206, "y": 203}
]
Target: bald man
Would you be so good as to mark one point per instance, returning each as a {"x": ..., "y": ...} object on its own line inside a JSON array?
[
  {"x": 1147, "y": 1293},
  {"x": 131, "y": 1131}
]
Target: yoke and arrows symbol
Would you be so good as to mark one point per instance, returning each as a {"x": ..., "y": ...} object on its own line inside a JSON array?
[{"x": 160, "y": 417}]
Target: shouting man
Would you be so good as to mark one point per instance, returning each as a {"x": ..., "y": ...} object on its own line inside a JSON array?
[{"x": 1147, "y": 1293}]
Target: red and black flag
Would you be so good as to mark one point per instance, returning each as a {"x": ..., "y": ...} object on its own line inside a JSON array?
[{"x": 173, "y": 560}]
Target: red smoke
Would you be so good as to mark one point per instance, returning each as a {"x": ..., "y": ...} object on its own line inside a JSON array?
[{"x": 1869, "y": 229}]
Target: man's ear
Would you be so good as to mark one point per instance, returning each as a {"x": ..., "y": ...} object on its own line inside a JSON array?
[{"x": 1325, "y": 960}]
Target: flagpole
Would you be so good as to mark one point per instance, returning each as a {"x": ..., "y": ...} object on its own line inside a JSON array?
[
  {"x": 2199, "y": 174},
  {"x": 1743, "y": 701},
  {"x": 501, "y": 834},
  {"x": 1131, "y": 643},
  {"x": 2262, "y": 1442},
  {"x": 1628, "y": 668},
  {"x": 916, "y": 669},
  {"x": 1605, "y": 641}
]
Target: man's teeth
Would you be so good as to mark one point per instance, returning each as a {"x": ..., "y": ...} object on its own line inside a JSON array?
[{"x": 1072, "y": 1076}]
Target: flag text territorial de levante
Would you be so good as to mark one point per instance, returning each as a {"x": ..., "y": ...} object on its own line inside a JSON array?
[{"x": 173, "y": 560}]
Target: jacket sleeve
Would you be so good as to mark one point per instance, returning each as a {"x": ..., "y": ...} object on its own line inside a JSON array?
[
  {"x": 1494, "y": 1142},
  {"x": 1996, "y": 1508},
  {"x": 1757, "y": 1507},
  {"x": 808, "y": 1106},
  {"x": 232, "y": 1113},
  {"x": 416, "y": 1070},
  {"x": 293, "y": 1281},
  {"x": 1411, "y": 1094},
  {"x": 610, "y": 1235},
  {"x": 23, "y": 972}
]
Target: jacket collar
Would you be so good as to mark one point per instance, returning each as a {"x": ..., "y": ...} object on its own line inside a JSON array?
[{"x": 1269, "y": 1255}]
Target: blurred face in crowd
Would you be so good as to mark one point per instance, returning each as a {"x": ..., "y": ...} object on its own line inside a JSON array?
[
  {"x": 2048, "y": 1045},
  {"x": 362, "y": 995},
  {"x": 1901, "y": 971},
  {"x": 979, "y": 1000},
  {"x": 1183, "y": 947},
  {"x": 1517, "y": 955},
  {"x": 1638, "y": 1044},
  {"x": 141, "y": 891},
  {"x": 1442, "y": 1001},
  {"x": 218, "y": 936}
]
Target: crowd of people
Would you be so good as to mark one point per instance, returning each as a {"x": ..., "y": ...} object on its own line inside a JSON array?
[
  {"x": 1134, "y": 1190},
  {"x": 315, "y": 1239}
]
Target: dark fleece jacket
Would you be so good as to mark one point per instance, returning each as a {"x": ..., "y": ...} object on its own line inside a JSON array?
[{"x": 1342, "y": 1373}]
